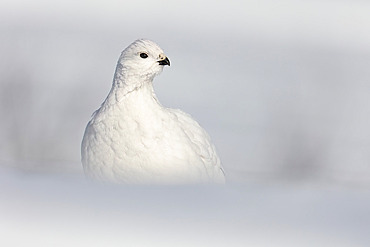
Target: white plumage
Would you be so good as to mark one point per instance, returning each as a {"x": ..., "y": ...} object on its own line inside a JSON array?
[{"x": 132, "y": 138}]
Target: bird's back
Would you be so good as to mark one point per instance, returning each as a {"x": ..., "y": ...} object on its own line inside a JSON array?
[
  {"x": 170, "y": 148},
  {"x": 201, "y": 144}
]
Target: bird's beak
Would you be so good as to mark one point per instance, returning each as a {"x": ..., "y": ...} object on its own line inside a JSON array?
[{"x": 164, "y": 61}]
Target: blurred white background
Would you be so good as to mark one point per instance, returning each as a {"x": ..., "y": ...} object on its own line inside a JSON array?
[{"x": 283, "y": 88}]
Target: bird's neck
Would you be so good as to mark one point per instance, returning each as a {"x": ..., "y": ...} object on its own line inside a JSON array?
[
  {"x": 139, "y": 105},
  {"x": 129, "y": 100},
  {"x": 128, "y": 89},
  {"x": 126, "y": 83}
]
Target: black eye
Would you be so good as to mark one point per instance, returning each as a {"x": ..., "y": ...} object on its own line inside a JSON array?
[{"x": 143, "y": 55}]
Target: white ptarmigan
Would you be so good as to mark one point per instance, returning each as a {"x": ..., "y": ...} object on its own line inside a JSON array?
[{"x": 132, "y": 138}]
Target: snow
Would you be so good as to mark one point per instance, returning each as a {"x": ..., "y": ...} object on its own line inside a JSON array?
[
  {"x": 40, "y": 210},
  {"x": 304, "y": 112},
  {"x": 295, "y": 149}
]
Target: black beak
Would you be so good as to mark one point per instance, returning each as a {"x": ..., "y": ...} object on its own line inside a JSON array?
[{"x": 165, "y": 61}]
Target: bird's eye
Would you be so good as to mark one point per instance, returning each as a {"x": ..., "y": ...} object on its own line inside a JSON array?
[{"x": 143, "y": 55}]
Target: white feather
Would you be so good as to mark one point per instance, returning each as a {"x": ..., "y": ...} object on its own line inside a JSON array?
[{"x": 132, "y": 138}]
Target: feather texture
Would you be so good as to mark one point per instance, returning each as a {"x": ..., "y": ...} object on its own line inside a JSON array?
[{"x": 132, "y": 138}]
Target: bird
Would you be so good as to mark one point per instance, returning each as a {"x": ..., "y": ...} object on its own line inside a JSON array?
[{"x": 133, "y": 139}]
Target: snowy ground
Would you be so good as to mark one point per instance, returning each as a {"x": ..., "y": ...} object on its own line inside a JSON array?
[
  {"x": 55, "y": 210},
  {"x": 282, "y": 87}
]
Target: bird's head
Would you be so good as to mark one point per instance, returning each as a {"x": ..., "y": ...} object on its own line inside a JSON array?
[{"x": 143, "y": 60}]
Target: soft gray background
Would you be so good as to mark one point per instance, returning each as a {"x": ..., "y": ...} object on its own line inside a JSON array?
[{"x": 283, "y": 88}]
